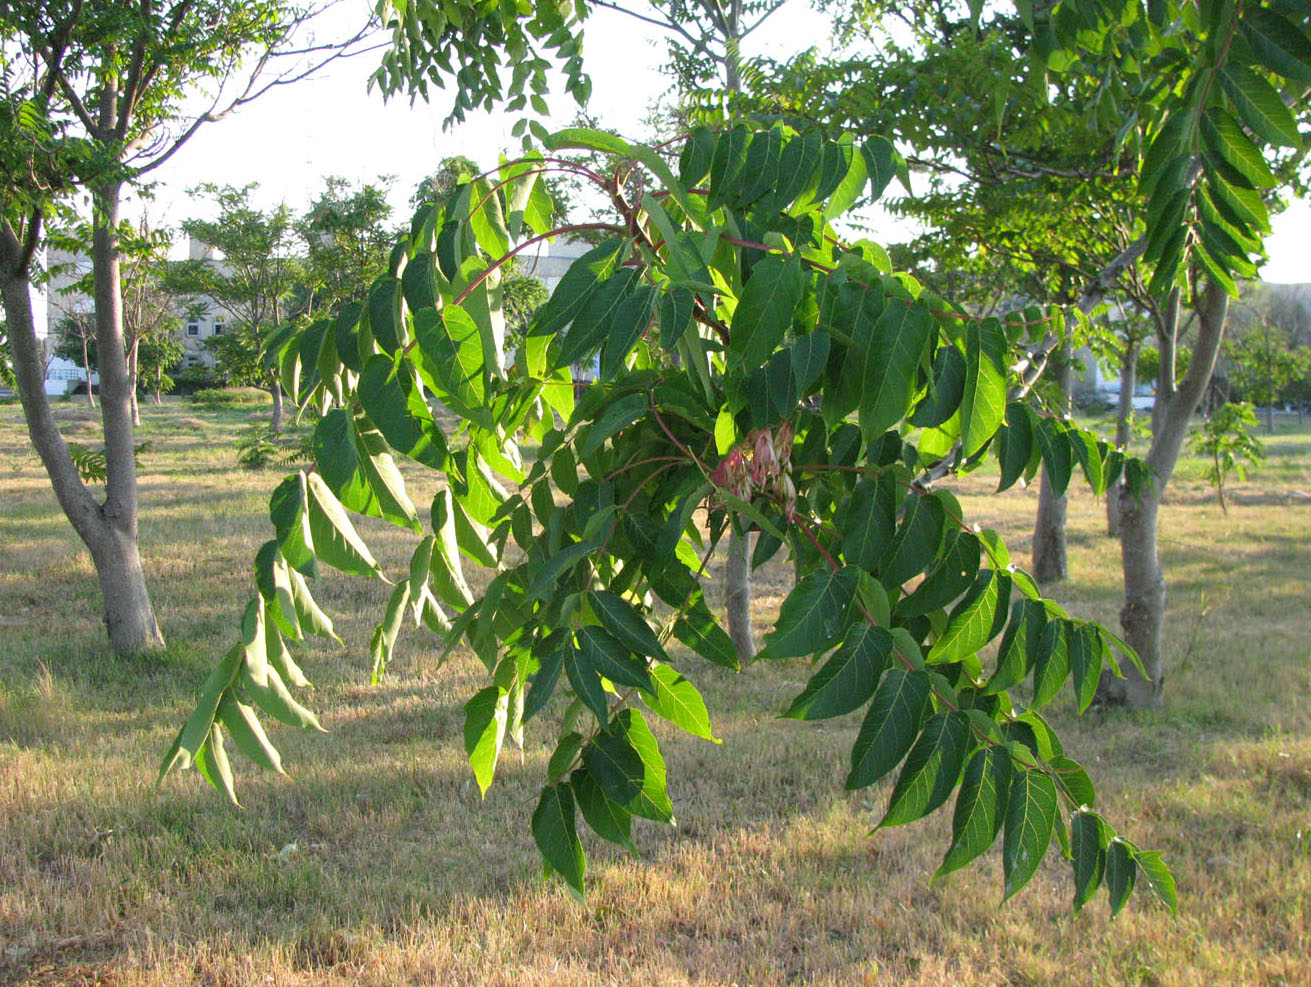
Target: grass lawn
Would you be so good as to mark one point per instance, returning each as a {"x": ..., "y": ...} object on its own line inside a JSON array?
[{"x": 378, "y": 863}]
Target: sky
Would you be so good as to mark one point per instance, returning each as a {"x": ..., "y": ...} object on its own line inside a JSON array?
[{"x": 293, "y": 137}]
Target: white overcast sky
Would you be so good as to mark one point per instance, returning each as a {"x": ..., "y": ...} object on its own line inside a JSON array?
[{"x": 293, "y": 137}]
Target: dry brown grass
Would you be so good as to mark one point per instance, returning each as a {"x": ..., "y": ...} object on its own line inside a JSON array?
[{"x": 378, "y": 864}]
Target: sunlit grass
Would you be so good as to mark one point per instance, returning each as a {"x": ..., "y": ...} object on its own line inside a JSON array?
[{"x": 378, "y": 863}]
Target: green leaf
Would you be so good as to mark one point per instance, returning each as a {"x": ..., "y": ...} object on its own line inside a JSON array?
[
  {"x": 1073, "y": 780},
  {"x": 848, "y": 678},
  {"x": 1030, "y": 823},
  {"x": 556, "y": 837},
  {"x": 1158, "y": 875},
  {"x": 1120, "y": 873},
  {"x": 586, "y": 684},
  {"x": 451, "y": 361},
  {"x": 1281, "y": 45},
  {"x": 886, "y": 360},
  {"x": 1056, "y": 454},
  {"x": 678, "y": 701},
  {"x": 765, "y": 309},
  {"x": 916, "y": 541},
  {"x": 980, "y": 807},
  {"x": 1260, "y": 105},
  {"x": 577, "y": 286},
  {"x": 1085, "y": 664},
  {"x": 1051, "y": 667},
  {"x": 890, "y": 727},
  {"x": 946, "y": 389},
  {"x": 809, "y": 356},
  {"x": 592, "y": 324},
  {"x": 614, "y": 419},
  {"x": 676, "y": 306},
  {"x": 1015, "y": 445},
  {"x": 699, "y": 630},
  {"x": 973, "y": 619},
  {"x": 1232, "y": 149},
  {"x": 273, "y": 697},
  {"x": 616, "y": 765},
  {"x": 586, "y": 139},
  {"x": 484, "y": 732},
  {"x": 630, "y": 321},
  {"x": 335, "y": 539},
  {"x": 613, "y": 659},
  {"x": 867, "y": 521},
  {"x": 607, "y": 818},
  {"x": 814, "y": 615},
  {"x": 244, "y": 728},
  {"x": 1019, "y": 645},
  {"x": 446, "y": 571},
  {"x": 394, "y": 403},
  {"x": 983, "y": 404},
  {"x": 383, "y": 642},
  {"x": 1088, "y": 838},
  {"x": 565, "y": 756},
  {"x": 629, "y": 627},
  {"x": 932, "y": 769},
  {"x": 653, "y": 800}
]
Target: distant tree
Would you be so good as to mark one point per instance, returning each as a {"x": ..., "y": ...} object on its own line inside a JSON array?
[
  {"x": 347, "y": 242},
  {"x": 157, "y": 354},
  {"x": 93, "y": 97},
  {"x": 75, "y": 341},
  {"x": 252, "y": 281},
  {"x": 1264, "y": 365}
]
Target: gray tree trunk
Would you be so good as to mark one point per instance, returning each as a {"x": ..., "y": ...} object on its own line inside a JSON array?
[
  {"x": 737, "y": 595},
  {"x": 1143, "y": 613},
  {"x": 132, "y": 385},
  {"x": 86, "y": 370},
  {"x": 1050, "y": 555},
  {"x": 108, "y": 530},
  {"x": 1123, "y": 428},
  {"x": 276, "y": 421},
  {"x": 737, "y": 568}
]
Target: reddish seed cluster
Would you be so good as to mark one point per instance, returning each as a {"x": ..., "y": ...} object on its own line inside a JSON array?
[{"x": 762, "y": 464}]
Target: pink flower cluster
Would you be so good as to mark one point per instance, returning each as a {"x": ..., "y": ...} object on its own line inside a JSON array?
[{"x": 762, "y": 464}]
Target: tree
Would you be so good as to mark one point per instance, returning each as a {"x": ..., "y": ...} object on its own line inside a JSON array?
[
  {"x": 1264, "y": 365},
  {"x": 800, "y": 360},
  {"x": 347, "y": 241},
  {"x": 158, "y": 353},
  {"x": 252, "y": 282},
  {"x": 92, "y": 98},
  {"x": 1226, "y": 439},
  {"x": 76, "y": 342}
]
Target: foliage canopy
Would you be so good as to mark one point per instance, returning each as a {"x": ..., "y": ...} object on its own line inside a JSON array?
[{"x": 754, "y": 370}]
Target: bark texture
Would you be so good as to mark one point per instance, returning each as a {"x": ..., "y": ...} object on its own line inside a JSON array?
[
  {"x": 737, "y": 595},
  {"x": 1123, "y": 428},
  {"x": 1050, "y": 555},
  {"x": 1143, "y": 613}
]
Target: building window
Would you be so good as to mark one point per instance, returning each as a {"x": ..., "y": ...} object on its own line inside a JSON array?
[
  {"x": 193, "y": 361},
  {"x": 193, "y": 328},
  {"x": 218, "y": 328}
]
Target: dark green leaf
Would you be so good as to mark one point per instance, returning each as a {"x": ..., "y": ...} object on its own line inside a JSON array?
[
  {"x": 971, "y": 623},
  {"x": 1088, "y": 838},
  {"x": 1030, "y": 823},
  {"x": 607, "y": 818},
  {"x": 1259, "y": 105},
  {"x": 814, "y": 615},
  {"x": 1051, "y": 666},
  {"x": 890, "y": 727},
  {"x": 555, "y": 834},
  {"x": 932, "y": 769},
  {"x": 848, "y": 678},
  {"x": 586, "y": 684},
  {"x": 867, "y": 521},
  {"x": 764, "y": 312},
  {"x": 1015, "y": 445},
  {"x": 886, "y": 360},
  {"x": 916, "y": 541},
  {"x": 1120, "y": 873},
  {"x": 980, "y": 807},
  {"x": 613, "y": 659}
]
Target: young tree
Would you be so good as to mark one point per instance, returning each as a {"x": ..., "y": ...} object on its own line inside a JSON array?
[
  {"x": 252, "y": 282},
  {"x": 1263, "y": 365},
  {"x": 347, "y": 241},
  {"x": 92, "y": 97},
  {"x": 766, "y": 382},
  {"x": 1226, "y": 439}
]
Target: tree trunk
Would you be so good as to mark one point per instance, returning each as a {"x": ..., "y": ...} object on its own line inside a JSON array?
[
  {"x": 108, "y": 530},
  {"x": 1123, "y": 428},
  {"x": 132, "y": 385},
  {"x": 276, "y": 422},
  {"x": 1050, "y": 557},
  {"x": 1143, "y": 613},
  {"x": 737, "y": 594},
  {"x": 1270, "y": 418},
  {"x": 86, "y": 371}
]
